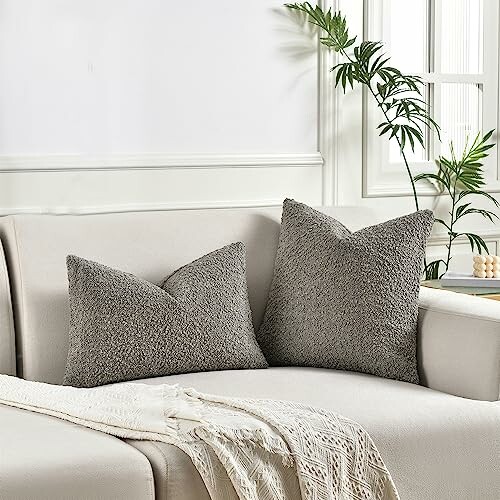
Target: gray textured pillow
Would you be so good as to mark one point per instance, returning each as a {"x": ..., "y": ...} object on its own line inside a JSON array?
[
  {"x": 123, "y": 327},
  {"x": 346, "y": 300}
]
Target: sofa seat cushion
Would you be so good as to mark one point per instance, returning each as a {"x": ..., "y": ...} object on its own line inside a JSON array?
[
  {"x": 47, "y": 458},
  {"x": 436, "y": 446}
]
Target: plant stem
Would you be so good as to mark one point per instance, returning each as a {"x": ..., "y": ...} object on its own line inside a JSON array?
[
  {"x": 401, "y": 150},
  {"x": 450, "y": 241},
  {"x": 379, "y": 102},
  {"x": 403, "y": 154},
  {"x": 408, "y": 170},
  {"x": 452, "y": 221}
]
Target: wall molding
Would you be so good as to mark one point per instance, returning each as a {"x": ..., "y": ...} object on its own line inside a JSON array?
[
  {"x": 388, "y": 190},
  {"x": 403, "y": 189},
  {"x": 328, "y": 117},
  {"x": 140, "y": 207},
  {"x": 154, "y": 161}
]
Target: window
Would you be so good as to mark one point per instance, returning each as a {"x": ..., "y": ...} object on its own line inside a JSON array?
[{"x": 453, "y": 46}]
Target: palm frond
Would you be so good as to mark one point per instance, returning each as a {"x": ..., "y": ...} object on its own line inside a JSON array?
[
  {"x": 475, "y": 241},
  {"x": 463, "y": 194},
  {"x": 442, "y": 182},
  {"x": 468, "y": 170},
  {"x": 333, "y": 24},
  {"x": 442, "y": 222},
  {"x": 468, "y": 211},
  {"x": 406, "y": 118},
  {"x": 432, "y": 269}
]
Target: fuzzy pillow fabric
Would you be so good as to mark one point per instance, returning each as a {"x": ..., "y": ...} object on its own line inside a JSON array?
[
  {"x": 123, "y": 327},
  {"x": 346, "y": 300}
]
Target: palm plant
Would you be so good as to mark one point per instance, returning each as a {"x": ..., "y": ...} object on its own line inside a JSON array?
[
  {"x": 405, "y": 119},
  {"x": 398, "y": 96},
  {"x": 461, "y": 178}
]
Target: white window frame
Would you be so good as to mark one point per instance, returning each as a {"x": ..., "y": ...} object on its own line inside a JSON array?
[{"x": 381, "y": 178}]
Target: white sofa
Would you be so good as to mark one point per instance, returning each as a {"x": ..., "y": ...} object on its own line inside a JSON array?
[{"x": 440, "y": 440}]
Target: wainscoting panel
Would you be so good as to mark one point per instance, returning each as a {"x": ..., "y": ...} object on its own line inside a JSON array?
[
  {"x": 152, "y": 161},
  {"x": 157, "y": 189},
  {"x": 126, "y": 104}
]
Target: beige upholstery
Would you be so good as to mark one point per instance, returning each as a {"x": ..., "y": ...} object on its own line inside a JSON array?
[
  {"x": 453, "y": 356},
  {"x": 175, "y": 476},
  {"x": 44, "y": 458},
  {"x": 437, "y": 446},
  {"x": 7, "y": 337},
  {"x": 149, "y": 244},
  {"x": 459, "y": 344}
]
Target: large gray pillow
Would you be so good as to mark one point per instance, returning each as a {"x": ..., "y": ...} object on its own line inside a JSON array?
[
  {"x": 123, "y": 327},
  {"x": 346, "y": 300}
]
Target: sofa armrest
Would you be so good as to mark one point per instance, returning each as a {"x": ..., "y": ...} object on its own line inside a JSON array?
[{"x": 459, "y": 344}]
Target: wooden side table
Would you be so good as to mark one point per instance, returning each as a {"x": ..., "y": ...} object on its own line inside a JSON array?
[{"x": 485, "y": 293}]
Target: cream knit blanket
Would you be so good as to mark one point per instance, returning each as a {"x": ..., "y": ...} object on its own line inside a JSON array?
[{"x": 270, "y": 450}]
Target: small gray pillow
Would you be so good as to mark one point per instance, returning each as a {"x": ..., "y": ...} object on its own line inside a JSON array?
[
  {"x": 123, "y": 327},
  {"x": 346, "y": 300}
]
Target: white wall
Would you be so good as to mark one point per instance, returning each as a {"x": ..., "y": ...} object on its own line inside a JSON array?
[
  {"x": 123, "y": 104},
  {"x": 112, "y": 105}
]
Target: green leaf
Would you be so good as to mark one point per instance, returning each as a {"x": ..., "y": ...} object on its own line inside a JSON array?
[
  {"x": 410, "y": 137},
  {"x": 338, "y": 77},
  {"x": 463, "y": 194},
  {"x": 443, "y": 223},
  {"x": 487, "y": 214},
  {"x": 387, "y": 127},
  {"x": 350, "y": 42},
  {"x": 460, "y": 210},
  {"x": 412, "y": 134},
  {"x": 402, "y": 140},
  {"x": 432, "y": 269},
  {"x": 435, "y": 177},
  {"x": 335, "y": 26},
  {"x": 475, "y": 241},
  {"x": 378, "y": 63},
  {"x": 395, "y": 129},
  {"x": 466, "y": 173}
]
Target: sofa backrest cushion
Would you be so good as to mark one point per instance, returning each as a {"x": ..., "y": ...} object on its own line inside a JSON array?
[
  {"x": 150, "y": 245},
  {"x": 7, "y": 338}
]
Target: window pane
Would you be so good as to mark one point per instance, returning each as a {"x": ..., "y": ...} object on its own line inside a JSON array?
[
  {"x": 460, "y": 114},
  {"x": 461, "y": 36},
  {"x": 412, "y": 156},
  {"x": 408, "y": 40}
]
